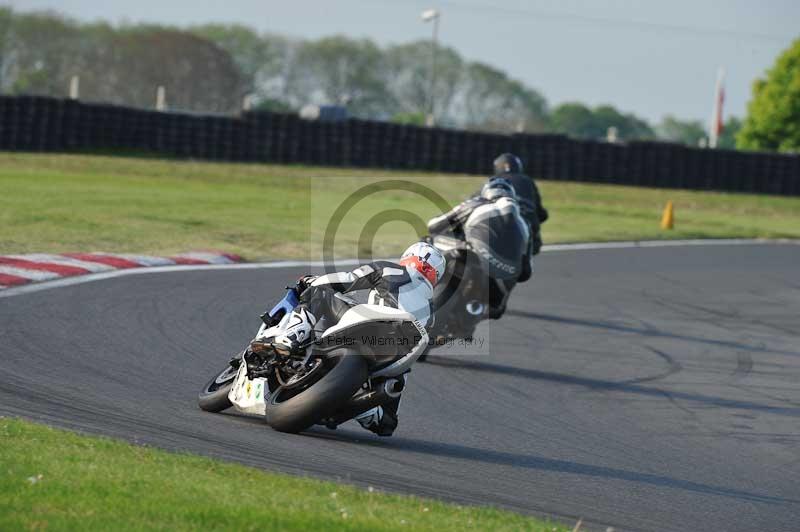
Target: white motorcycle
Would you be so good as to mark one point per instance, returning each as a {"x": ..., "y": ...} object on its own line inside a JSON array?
[{"x": 350, "y": 367}]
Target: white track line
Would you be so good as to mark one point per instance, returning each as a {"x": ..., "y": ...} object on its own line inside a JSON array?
[
  {"x": 70, "y": 281},
  {"x": 668, "y": 243},
  {"x": 146, "y": 260}
]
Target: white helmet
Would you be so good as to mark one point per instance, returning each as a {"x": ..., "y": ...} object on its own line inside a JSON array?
[
  {"x": 426, "y": 260},
  {"x": 496, "y": 188}
]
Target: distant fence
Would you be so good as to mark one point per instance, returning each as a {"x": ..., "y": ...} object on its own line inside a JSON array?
[{"x": 53, "y": 125}]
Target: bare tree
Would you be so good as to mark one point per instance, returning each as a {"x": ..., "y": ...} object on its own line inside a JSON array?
[
  {"x": 489, "y": 100},
  {"x": 264, "y": 60},
  {"x": 338, "y": 70},
  {"x": 408, "y": 79}
]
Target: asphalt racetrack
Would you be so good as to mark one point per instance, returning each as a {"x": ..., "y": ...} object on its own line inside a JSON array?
[{"x": 645, "y": 389}]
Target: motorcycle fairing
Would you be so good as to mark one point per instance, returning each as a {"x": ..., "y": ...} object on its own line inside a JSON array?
[
  {"x": 249, "y": 395},
  {"x": 367, "y": 313}
]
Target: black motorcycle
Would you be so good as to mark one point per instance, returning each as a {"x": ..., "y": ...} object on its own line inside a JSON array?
[{"x": 475, "y": 284}]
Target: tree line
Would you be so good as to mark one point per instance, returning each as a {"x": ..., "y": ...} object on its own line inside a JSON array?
[
  {"x": 41, "y": 52},
  {"x": 212, "y": 68}
]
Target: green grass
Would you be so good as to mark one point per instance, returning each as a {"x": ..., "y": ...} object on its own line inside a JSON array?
[
  {"x": 63, "y": 203},
  {"x": 58, "y": 480}
]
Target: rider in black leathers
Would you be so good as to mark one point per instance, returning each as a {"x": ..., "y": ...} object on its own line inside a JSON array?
[
  {"x": 509, "y": 167},
  {"x": 499, "y": 232},
  {"x": 495, "y": 232}
]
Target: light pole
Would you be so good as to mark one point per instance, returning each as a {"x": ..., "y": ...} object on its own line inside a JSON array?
[
  {"x": 715, "y": 128},
  {"x": 434, "y": 16}
]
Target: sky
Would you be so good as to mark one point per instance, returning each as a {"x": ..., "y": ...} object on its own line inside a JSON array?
[{"x": 652, "y": 58}]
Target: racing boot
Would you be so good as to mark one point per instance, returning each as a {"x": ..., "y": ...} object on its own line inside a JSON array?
[{"x": 382, "y": 420}]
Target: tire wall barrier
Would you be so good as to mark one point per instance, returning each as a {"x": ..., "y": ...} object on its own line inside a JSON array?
[{"x": 41, "y": 124}]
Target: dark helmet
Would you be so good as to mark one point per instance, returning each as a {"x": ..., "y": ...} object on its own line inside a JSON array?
[{"x": 508, "y": 163}]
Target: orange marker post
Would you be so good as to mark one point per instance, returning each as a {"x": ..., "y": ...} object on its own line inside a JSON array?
[{"x": 668, "y": 218}]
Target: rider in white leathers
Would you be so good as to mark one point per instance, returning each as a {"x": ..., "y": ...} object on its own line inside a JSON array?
[{"x": 406, "y": 285}]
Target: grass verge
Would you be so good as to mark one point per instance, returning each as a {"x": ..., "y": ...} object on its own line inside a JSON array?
[
  {"x": 60, "y": 480},
  {"x": 62, "y": 203}
]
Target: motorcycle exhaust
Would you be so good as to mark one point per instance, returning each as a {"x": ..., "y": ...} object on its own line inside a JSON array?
[{"x": 390, "y": 389}]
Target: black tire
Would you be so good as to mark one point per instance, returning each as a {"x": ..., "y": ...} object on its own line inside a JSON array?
[
  {"x": 299, "y": 412},
  {"x": 214, "y": 395}
]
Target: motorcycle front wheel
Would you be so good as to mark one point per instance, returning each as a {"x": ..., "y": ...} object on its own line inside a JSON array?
[
  {"x": 288, "y": 410},
  {"x": 214, "y": 395}
]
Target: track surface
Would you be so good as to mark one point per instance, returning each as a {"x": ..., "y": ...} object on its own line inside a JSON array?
[{"x": 647, "y": 389}]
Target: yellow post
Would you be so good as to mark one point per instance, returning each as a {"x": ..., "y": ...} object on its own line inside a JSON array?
[{"x": 668, "y": 218}]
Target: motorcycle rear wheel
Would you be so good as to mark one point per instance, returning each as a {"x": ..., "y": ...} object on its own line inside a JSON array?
[
  {"x": 214, "y": 395},
  {"x": 289, "y": 411}
]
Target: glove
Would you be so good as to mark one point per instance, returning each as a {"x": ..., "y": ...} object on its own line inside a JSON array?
[
  {"x": 304, "y": 282},
  {"x": 543, "y": 214}
]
